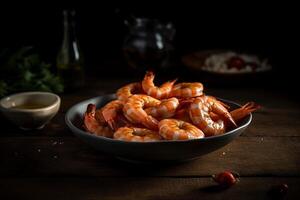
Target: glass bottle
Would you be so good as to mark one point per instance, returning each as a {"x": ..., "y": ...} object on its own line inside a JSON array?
[{"x": 69, "y": 58}]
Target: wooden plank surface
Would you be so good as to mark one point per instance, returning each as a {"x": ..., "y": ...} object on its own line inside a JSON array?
[
  {"x": 53, "y": 164},
  {"x": 142, "y": 188},
  {"x": 46, "y": 156},
  {"x": 56, "y": 127}
]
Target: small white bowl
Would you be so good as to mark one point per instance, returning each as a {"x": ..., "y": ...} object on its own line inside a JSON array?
[{"x": 30, "y": 118}]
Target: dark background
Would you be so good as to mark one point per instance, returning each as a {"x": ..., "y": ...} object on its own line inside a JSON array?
[{"x": 267, "y": 29}]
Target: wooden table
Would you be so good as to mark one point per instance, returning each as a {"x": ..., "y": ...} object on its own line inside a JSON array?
[{"x": 53, "y": 164}]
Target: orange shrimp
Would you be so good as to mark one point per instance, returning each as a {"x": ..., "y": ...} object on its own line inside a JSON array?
[
  {"x": 128, "y": 90},
  {"x": 135, "y": 113},
  {"x": 186, "y": 90},
  {"x": 165, "y": 109},
  {"x": 221, "y": 102},
  {"x": 92, "y": 125},
  {"x": 182, "y": 112},
  {"x": 134, "y": 134},
  {"x": 99, "y": 117},
  {"x": 111, "y": 111},
  {"x": 239, "y": 113},
  {"x": 161, "y": 92},
  {"x": 200, "y": 111},
  {"x": 183, "y": 115},
  {"x": 172, "y": 129}
]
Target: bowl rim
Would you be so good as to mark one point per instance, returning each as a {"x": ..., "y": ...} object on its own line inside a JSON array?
[
  {"x": 85, "y": 133},
  {"x": 26, "y": 110}
]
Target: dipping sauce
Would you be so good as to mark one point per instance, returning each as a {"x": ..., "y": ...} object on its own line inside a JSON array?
[{"x": 30, "y": 105}]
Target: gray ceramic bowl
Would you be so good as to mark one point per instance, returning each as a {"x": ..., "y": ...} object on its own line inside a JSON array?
[
  {"x": 166, "y": 151},
  {"x": 33, "y": 118}
]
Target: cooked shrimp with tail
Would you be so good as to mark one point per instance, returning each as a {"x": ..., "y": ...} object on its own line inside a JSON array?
[
  {"x": 173, "y": 129},
  {"x": 134, "y": 110},
  {"x": 239, "y": 113},
  {"x": 166, "y": 109},
  {"x": 128, "y": 90},
  {"x": 200, "y": 111},
  {"x": 150, "y": 89},
  {"x": 112, "y": 113},
  {"x": 92, "y": 125}
]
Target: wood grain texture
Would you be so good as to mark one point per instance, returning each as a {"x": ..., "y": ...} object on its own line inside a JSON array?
[
  {"x": 275, "y": 122},
  {"x": 53, "y": 164},
  {"x": 141, "y": 188},
  {"x": 68, "y": 156},
  {"x": 56, "y": 127}
]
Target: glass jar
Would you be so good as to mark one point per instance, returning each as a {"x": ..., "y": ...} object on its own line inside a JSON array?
[{"x": 148, "y": 44}]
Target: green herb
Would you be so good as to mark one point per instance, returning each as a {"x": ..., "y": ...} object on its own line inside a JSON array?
[{"x": 24, "y": 71}]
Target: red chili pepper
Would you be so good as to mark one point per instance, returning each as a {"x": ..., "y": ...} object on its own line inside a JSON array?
[{"x": 225, "y": 179}]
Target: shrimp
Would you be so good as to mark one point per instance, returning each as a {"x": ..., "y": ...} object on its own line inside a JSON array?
[
  {"x": 111, "y": 111},
  {"x": 182, "y": 112},
  {"x": 172, "y": 129},
  {"x": 221, "y": 102},
  {"x": 200, "y": 111},
  {"x": 128, "y": 90},
  {"x": 161, "y": 92},
  {"x": 186, "y": 90},
  {"x": 135, "y": 113},
  {"x": 239, "y": 113},
  {"x": 99, "y": 117},
  {"x": 165, "y": 109},
  {"x": 134, "y": 134},
  {"x": 92, "y": 125},
  {"x": 183, "y": 115}
]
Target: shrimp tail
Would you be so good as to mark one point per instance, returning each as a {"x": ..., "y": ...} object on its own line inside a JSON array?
[
  {"x": 220, "y": 110},
  {"x": 224, "y": 104},
  {"x": 169, "y": 83},
  {"x": 149, "y": 75},
  {"x": 90, "y": 112},
  {"x": 245, "y": 110},
  {"x": 151, "y": 123},
  {"x": 112, "y": 124},
  {"x": 231, "y": 120},
  {"x": 110, "y": 119},
  {"x": 91, "y": 109},
  {"x": 173, "y": 81},
  {"x": 251, "y": 106}
]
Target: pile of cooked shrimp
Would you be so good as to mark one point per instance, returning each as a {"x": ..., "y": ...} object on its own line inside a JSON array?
[{"x": 144, "y": 112}]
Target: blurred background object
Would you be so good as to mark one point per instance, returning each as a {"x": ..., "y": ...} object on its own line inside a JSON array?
[
  {"x": 69, "y": 58},
  {"x": 252, "y": 29},
  {"x": 228, "y": 68},
  {"x": 22, "y": 69},
  {"x": 148, "y": 44}
]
